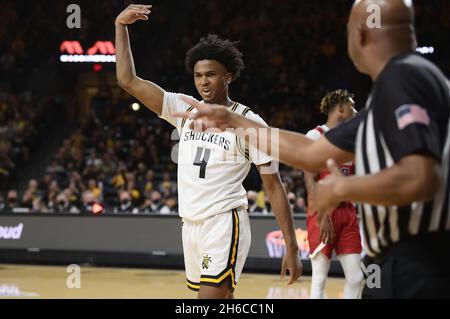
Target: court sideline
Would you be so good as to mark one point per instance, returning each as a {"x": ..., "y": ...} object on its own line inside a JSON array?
[{"x": 50, "y": 282}]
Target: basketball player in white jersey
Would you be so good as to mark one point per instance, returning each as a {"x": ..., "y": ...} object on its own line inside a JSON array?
[
  {"x": 211, "y": 166},
  {"x": 339, "y": 231}
]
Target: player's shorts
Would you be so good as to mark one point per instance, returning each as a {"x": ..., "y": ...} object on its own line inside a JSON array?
[
  {"x": 216, "y": 248},
  {"x": 347, "y": 239}
]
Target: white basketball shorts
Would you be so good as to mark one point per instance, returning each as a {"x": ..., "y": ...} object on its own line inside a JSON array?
[{"x": 216, "y": 248}]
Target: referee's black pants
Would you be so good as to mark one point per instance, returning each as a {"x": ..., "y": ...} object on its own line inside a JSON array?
[{"x": 414, "y": 268}]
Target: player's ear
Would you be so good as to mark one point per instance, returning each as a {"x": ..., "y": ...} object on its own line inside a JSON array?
[
  {"x": 361, "y": 36},
  {"x": 229, "y": 78}
]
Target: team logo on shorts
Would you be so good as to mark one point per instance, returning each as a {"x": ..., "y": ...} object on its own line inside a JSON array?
[{"x": 205, "y": 262}]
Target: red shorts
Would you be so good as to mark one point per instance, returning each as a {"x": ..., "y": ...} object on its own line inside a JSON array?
[{"x": 347, "y": 240}]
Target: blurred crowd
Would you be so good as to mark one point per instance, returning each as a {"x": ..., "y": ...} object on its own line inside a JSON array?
[
  {"x": 126, "y": 167},
  {"x": 22, "y": 121},
  {"x": 294, "y": 52}
]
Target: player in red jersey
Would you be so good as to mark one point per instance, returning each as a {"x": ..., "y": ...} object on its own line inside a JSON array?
[{"x": 339, "y": 231}]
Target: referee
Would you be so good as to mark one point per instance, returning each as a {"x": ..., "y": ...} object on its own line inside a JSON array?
[
  {"x": 402, "y": 147},
  {"x": 400, "y": 143}
]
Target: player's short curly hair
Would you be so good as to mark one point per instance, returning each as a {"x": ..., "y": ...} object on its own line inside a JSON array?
[
  {"x": 335, "y": 98},
  {"x": 214, "y": 48}
]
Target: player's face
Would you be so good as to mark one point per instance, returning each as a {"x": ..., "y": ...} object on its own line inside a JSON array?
[
  {"x": 348, "y": 110},
  {"x": 211, "y": 80}
]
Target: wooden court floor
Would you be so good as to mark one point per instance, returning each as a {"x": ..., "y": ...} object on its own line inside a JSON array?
[{"x": 50, "y": 282}]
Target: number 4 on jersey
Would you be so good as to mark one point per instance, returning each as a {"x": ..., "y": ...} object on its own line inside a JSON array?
[{"x": 202, "y": 162}]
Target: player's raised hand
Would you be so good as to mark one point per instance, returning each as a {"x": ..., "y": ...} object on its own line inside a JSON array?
[
  {"x": 327, "y": 232},
  {"x": 133, "y": 13},
  {"x": 205, "y": 116}
]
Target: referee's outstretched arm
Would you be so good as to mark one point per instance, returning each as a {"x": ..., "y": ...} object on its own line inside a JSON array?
[{"x": 290, "y": 148}]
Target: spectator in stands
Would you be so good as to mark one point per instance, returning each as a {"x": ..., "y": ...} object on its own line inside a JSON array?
[
  {"x": 55, "y": 168},
  {"x": 300, "y": 207},
  {"x": 149, "y": 185},
  {"x": 268, "y": 206},
  {"x": 260, "y": 198},
  {"x": 38, "y": 205},
  {"x": 30, "y": 194},
  {"x": 170, "y": 206},
  {"x": 118, "y": 180},
  {"x": 138, "y": 152},
  {"x": 73, "y": 194},
  {"x": 13, "y": 201},
  {"x": 264, "y": 209},
  {"x": 88, "y": 201},
  {"x": 126, "y": 205},
  {"x": 109, "y": 192},
  {"x": 132, "y": 188},
  {"x": 298, "y": 183},
  {"x": 69, "y": 168},
  {"x": 53, "y": 191},
  {"x": 287, "y": 182},
  {"x": 44, "y": 184},
  {"x": 95, "y": 189},
  {"x": 6, "y": 164},
  {"x": 291, "y": 197},
  {"x": 63, "y": 205},
  {"x": 167, "y": 186},
  {"x": 77, "y": 181},
  {"x": 156, "y": 201},
  {"x": 146, "y": 207},
  {"x": 140, "y": 176},
  {"x": 251, "y": 198}
]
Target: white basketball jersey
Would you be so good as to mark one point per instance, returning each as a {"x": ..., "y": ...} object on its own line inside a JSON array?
[
  {"x": 315, "y": 133},
  {"x": 211, "y": 165}
]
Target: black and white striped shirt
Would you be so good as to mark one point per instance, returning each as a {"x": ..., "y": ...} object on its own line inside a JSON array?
[{"x": 407, "y": 113}]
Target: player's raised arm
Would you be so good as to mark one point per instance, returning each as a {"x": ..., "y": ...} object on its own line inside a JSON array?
[
  {"x": 293, "y": 148},
  {"x": 150, "y": 94}
]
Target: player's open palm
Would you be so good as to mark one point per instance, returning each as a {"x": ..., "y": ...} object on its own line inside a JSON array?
[
  {"x": 327, "y": 233},
  {"x": 133, "y": 13}
]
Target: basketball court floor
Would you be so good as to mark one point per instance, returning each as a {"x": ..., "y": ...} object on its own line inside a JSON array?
[{"x": 50, "y": 282}]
